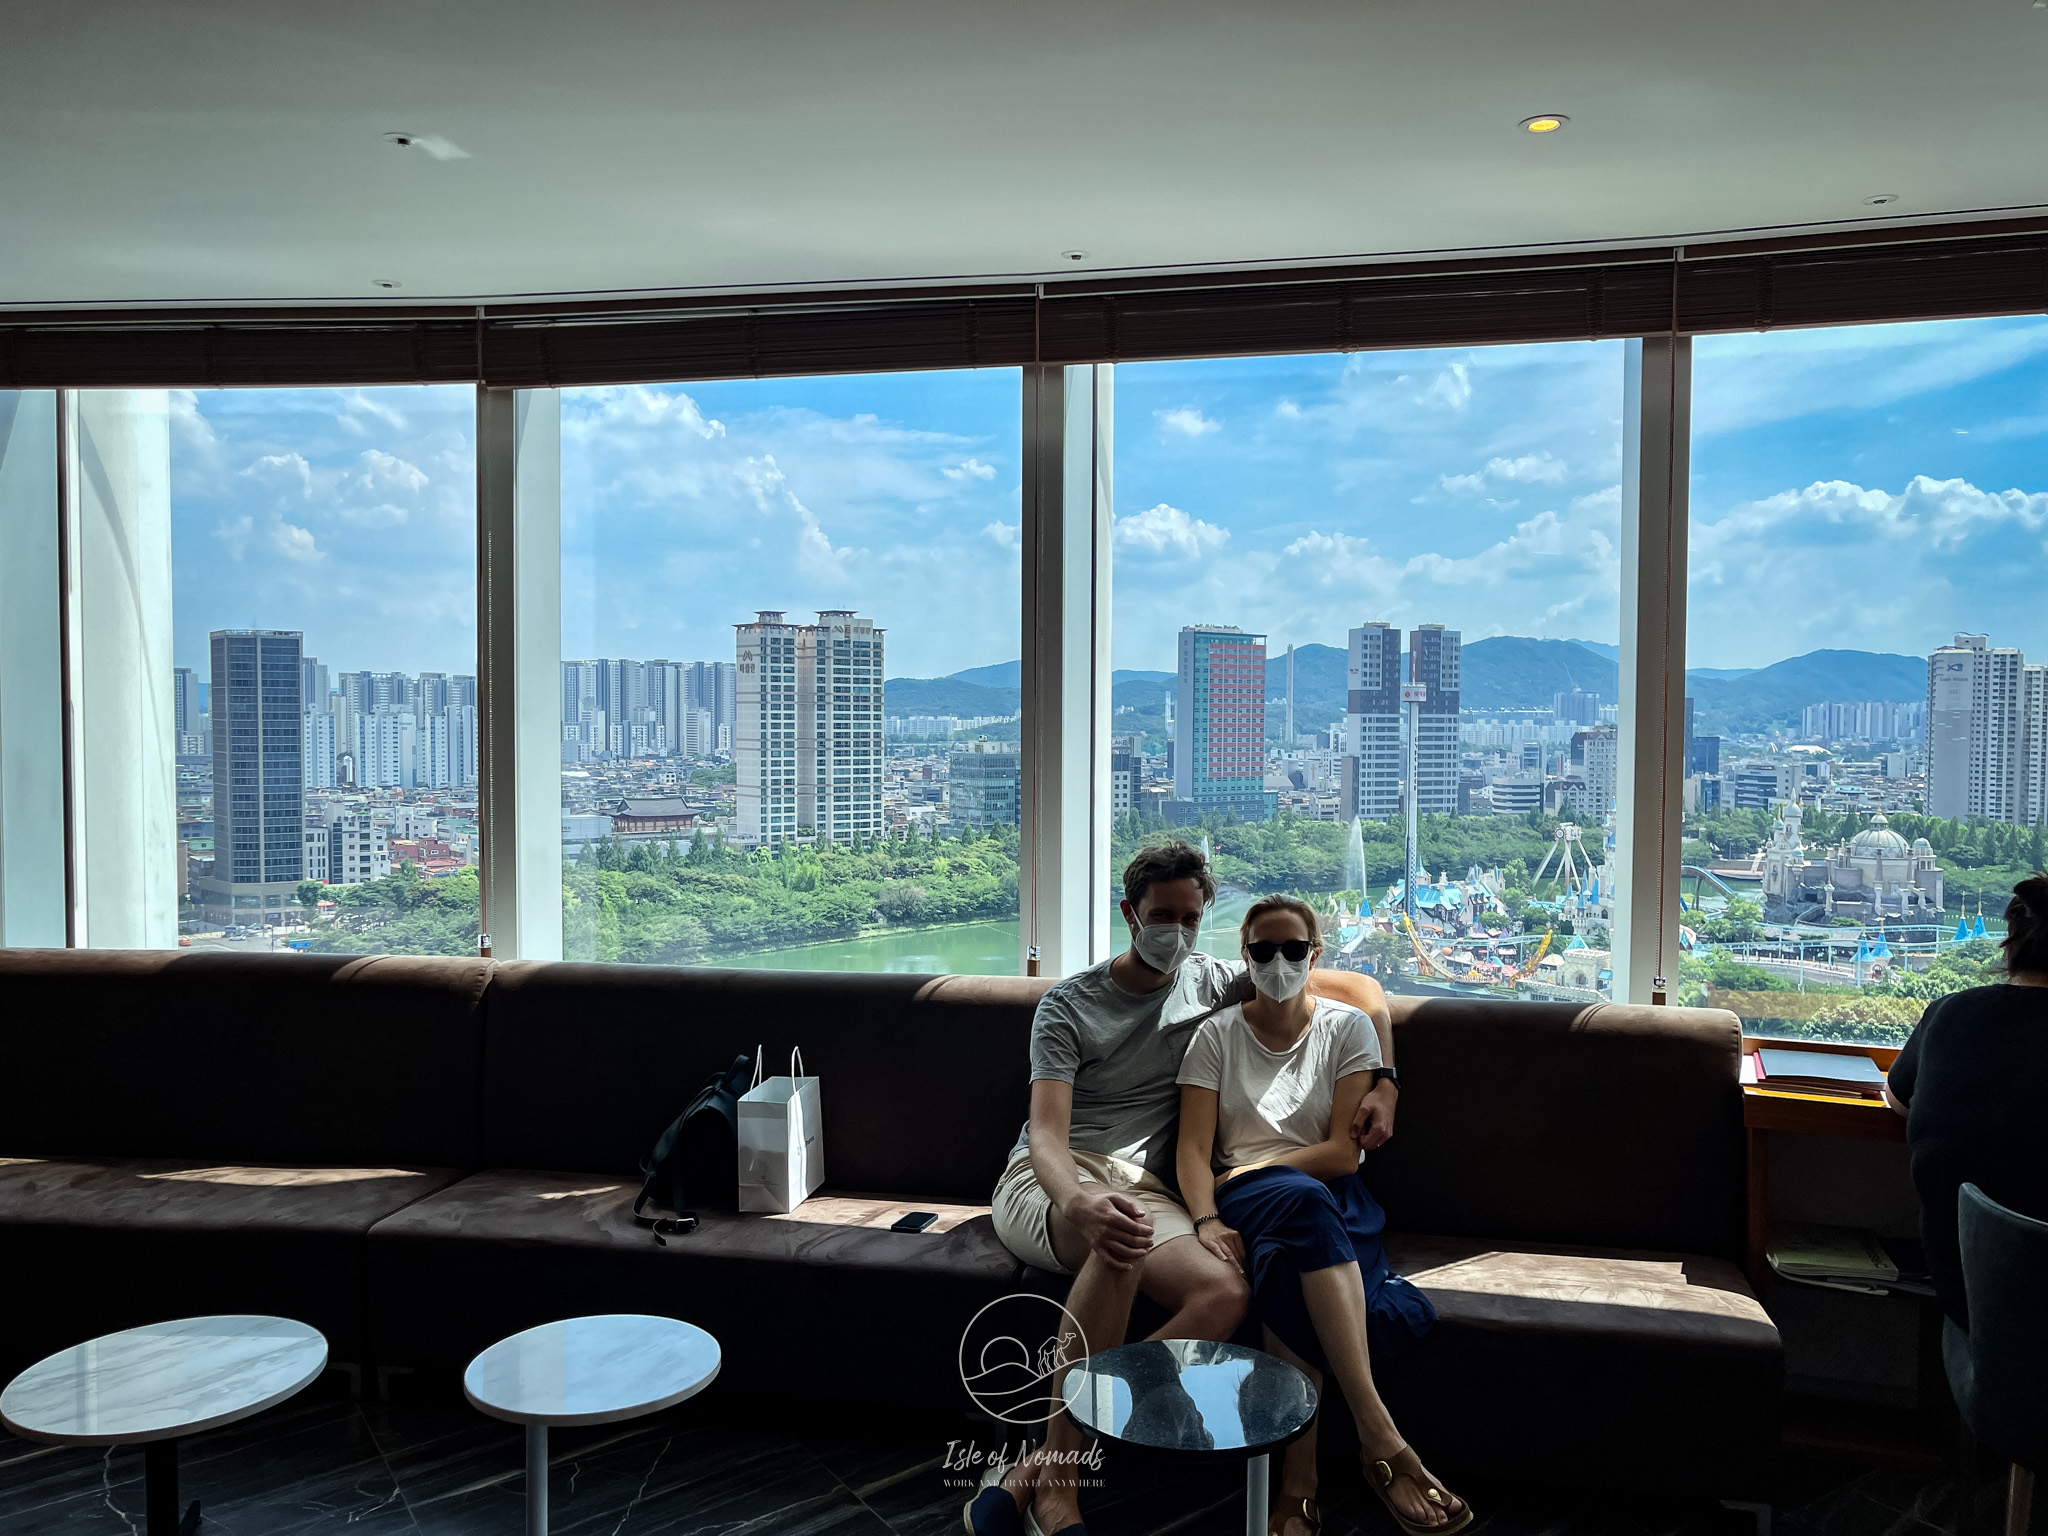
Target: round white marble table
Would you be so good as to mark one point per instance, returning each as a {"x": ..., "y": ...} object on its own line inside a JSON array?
[
  {"x": 586, "y": 1370},
  {"x": 150, "y": 1386}
]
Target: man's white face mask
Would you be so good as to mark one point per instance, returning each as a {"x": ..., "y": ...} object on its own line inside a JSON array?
[
  {"x": 1280, "y": 978},
  {"x": 1164, "y": 946}
]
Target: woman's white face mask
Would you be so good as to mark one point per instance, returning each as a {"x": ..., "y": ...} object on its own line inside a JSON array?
[
  {"x": 1280, "y": 978},
  {"x": 1164, "y": 946}
]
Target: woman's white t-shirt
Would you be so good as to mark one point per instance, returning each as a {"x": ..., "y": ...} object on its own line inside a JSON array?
[{"x": 1269, "y": 1102}]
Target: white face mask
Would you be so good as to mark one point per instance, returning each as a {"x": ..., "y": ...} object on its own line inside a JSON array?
[
  {"x": 1280, "y": 978},
  {"x": 1164, "y": 946}
]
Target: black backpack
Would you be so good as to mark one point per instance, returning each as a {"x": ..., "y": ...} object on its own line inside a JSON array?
[{"x": 696, "y": 1161}]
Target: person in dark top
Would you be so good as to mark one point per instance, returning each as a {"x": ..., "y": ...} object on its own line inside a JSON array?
[{"x": 1970, "y": 1083}]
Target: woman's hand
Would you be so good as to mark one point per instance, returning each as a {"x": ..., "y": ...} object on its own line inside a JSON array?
[{"x": 1223, "y": 1242}]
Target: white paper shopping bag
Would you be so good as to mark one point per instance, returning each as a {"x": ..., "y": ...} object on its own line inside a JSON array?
[{"x": 782, "y": 1140}]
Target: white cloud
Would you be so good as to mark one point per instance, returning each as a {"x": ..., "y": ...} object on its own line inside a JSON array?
[
  {"x": 1451, "y": 389},
  {"x": 287, "y": 473},
  {"x": 1168, "y": 533},
  {"x": 969, "y": 469},
  {"x": 1187, "y": 421},
  {"x": 387, "y": 473},
  {"x": 1004, "y": 535},
  {"x": 293, "y": 542},
  {"x": 1839, "y": 565},
  {"x": 1528, "y": 469}
]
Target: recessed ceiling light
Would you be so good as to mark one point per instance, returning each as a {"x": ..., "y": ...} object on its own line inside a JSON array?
[
  {"x": 385, "y": 282},
  {"x": 1073, "y": 255},
  {"x": 1880, "y": 199},
  {"x": 432, "y": 143},
  {"x": 1544, "y": 122}
]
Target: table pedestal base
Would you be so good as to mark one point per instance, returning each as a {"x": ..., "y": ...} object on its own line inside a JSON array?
[
  {"x": 160, "y": 1492},
  {"x": 1257, "y": 1499},
  {"x": 536, "y": 1480}
]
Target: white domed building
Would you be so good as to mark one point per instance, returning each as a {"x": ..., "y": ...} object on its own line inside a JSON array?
[{"x": 1875, "y": 874}]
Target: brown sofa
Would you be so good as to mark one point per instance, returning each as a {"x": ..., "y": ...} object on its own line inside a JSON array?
[{"x": 419, "y": 1156}]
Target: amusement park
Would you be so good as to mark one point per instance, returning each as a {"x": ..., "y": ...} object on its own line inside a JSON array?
[{"x": 1848, "y": 944}]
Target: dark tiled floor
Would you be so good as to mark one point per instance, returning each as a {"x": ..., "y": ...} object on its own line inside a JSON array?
[{"x": 724, "y": 1467}]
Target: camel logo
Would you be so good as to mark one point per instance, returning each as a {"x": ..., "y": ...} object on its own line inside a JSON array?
[{"x": 1011, "y": 1350}]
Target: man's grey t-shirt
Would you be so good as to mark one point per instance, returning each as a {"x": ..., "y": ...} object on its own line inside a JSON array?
[{"x": 1121, "y": 1050}]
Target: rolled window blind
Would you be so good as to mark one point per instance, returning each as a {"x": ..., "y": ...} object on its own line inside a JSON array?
[{"x": 1919, "y": 275}]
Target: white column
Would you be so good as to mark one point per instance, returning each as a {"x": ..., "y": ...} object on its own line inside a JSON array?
[
  {"x": 1064, "y": 791},
  {"x": 33, "y": 901},
  {"x": 1650, "y": 778},
  {"x": 124, "y": 813},
  {"x": 519, "y": 656}
]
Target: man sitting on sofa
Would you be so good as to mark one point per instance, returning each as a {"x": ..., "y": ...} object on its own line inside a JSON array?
[{"x": 1089, "y": 1190}]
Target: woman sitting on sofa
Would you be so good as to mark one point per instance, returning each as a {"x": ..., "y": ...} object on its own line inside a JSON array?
[{"x": 1269, "y": 1170}]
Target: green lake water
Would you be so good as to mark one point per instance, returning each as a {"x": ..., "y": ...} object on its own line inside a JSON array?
[{"x": 967, "y": 949}]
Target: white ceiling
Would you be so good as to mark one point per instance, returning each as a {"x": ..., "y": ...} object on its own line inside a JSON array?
[{"x": 157, "y": 151}]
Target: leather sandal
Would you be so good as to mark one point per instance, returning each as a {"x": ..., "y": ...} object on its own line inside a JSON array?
[
  {"x": 1405, "y": 1463},
  {"x": 1305, "y": 1510}
]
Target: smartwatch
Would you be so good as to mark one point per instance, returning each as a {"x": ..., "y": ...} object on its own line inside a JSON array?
[{"x": 1385, "y": 1075}]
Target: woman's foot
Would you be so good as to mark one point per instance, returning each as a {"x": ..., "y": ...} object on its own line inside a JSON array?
[
  {"x": 1412, "y": 1493},
  {"x": 1055, "y": 1506},
  {"x": 1295, "y": 1514}
]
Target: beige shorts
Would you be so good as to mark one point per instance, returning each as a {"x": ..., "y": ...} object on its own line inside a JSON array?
[{"x": 1023, "y": 1213}]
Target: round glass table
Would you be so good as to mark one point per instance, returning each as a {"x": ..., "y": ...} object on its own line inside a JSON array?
[
  {"x": 151, "y": 1386},
  {"x": 1197, "y": 1400},
  {"x": 586, "y": 1370}
]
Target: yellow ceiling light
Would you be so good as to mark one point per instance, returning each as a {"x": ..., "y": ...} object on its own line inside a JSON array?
[{"x": 1545, "y": 122}]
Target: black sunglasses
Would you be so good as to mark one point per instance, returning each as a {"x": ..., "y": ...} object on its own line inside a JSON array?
[{"x": 1263, "y": 950}]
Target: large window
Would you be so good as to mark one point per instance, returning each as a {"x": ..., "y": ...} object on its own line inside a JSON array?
[
  {"x": 324, "y": 699},
  {"x": 789, "y": 677},
  {"x": 1348, "y": 588},
  {"x": 1868, "y": 770}
]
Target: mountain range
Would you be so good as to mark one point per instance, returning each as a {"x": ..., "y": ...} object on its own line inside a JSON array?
[{"x": 1500, "y": 672}]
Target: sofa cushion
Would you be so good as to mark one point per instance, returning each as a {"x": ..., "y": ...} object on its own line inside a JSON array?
[
  {"x": 825, "y": 1297},
  {"x": 924, "y": 1079},
  {"x": 1607, "y": 1125},
  {"x": 1577, "y": 1364},
  {"x": 94, "y": 1245},
  {"x": 302, "y": 1059}
]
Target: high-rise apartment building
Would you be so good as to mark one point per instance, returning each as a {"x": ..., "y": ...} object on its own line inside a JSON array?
[
  {"x": 807, "y": 743},
  {"x": 1434, "y": 661},
  {"x": 1577, "y": 707},
  {"x": 1219, "y": 731},
  {"x": 256, "y": 705},
  {"x": 1976, "y": 731},
  {"x": 1371, "y": 783},
  {"x": 2034, "y": 749},
  {"x": 387, "y": 749},
  {"x": 1592, "y": 796}
]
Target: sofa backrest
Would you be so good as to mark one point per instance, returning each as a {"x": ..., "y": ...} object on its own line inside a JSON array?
[
  {"x": 314, "y": 1059},
  {"x": 923, "y": 1079},
  {"x": 1611, "y": 1125}
]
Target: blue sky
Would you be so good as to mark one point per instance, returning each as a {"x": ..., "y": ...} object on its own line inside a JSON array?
[
  {"x": 1868, "y": 488},
  {"x": 687, "y": 508},
  {"x": 348, "y": 514}
]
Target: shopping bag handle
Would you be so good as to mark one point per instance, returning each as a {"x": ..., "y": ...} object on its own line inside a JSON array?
[
  {"x": 758, "y": 1059},
  {"x": 796, "y": 1061}
]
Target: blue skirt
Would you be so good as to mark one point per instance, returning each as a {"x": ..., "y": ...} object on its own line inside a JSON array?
[{"x": 1292, "y": 1223}]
